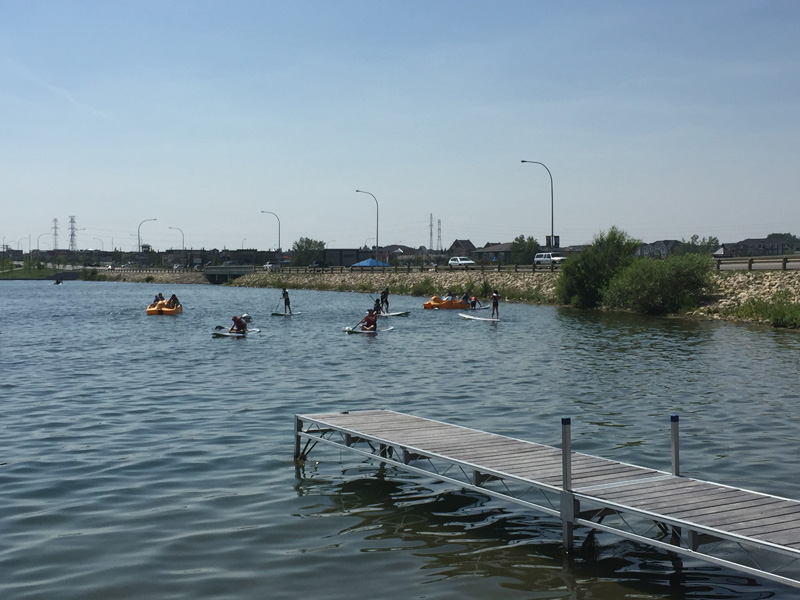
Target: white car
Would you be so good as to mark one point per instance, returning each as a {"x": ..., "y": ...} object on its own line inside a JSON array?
[
  {"x": 460, "y": 261},
  {"x": 549, "y": 258}
]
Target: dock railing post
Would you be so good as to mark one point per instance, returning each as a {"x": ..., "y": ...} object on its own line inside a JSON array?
[
  {"x": 567, "y": 502},
  {"x": 298, "y": 427},
  {"x": 676, "y": 458}
]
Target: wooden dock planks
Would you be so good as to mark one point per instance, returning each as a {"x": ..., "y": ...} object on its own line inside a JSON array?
[{"x": 708, "y": 509}]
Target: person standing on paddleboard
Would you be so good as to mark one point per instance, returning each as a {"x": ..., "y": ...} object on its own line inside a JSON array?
[
  {"x": 385, "y": 299},
  {"x": 370, "y": 322},
  {"x": 286, "y": 304},
  {"x": 495, "y": 304},
  {"x": 239, "y": 326}
]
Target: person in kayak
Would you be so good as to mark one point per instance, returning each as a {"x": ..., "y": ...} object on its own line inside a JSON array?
[
  {"x": 370, "y": 322},
  {"x": 239, "y": 326}
]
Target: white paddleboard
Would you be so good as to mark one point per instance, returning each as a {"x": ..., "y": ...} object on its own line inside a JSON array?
[
  {"x": 236, "y": 334},
  {"x": 396, "y": 314},
  {"x": 471, "y": 318},
  {"x": 359, "y": 330},
  {"x": 487, "y": 307},
  {"x": 280, "y": 314}
]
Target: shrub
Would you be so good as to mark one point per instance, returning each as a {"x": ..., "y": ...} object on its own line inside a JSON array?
[
  {"x": 657, "y": 287},
  {"x": 780, "y": 310},
  {"x": 585, "y": 276}
]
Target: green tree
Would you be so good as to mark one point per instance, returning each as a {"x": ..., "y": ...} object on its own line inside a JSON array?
[
  {"x": 305, "y": 251},
  {"x": 523, "y": 250},
  {"x": 585, "y": 276},
  {"x": 696, "y": 245},
  {"x": 658, "y": 287}
]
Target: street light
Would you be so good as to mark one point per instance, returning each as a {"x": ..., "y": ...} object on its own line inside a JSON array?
[
  {"x": 279, "y": 226},
  {"x": 183, "y": 239},
  {"x": 39, "y": 238},
  {"x": 139, "y": 233},
  {"x": 102, "y": 248},
  {"x": 376, "y": 222},
  {"x": 552, "y": 234},
  {"x": 243, "y": 239}
]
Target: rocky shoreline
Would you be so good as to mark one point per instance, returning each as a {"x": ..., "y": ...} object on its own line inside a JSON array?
[{"x": 730, "y": 288}]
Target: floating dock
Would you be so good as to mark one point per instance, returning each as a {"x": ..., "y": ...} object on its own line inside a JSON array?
[{"x": 758, "y": 534}]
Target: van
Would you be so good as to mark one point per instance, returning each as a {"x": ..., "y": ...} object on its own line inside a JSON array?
[{"x": 549, "y": 258}]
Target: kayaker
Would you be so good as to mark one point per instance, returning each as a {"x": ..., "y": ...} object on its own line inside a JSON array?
[
  {"x": 286, "y": 303},
  {"x": 239, "y": 326},
  {"x": 370, "y": 322},
  {"x": 385, "y": 299}
]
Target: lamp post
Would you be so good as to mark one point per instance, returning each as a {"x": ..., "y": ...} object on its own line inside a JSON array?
[
  {"x": 183, "y": 239},
  {"x": 377, "y": 210},
  {"x": 552, "y": 231},
  {"x": 279, "y": 226},
  {"x": 37, "y": 241},
  {"x": 139, "y": 233},
  {"x": 243, "y": 239},
  {"x": 102, "y": 248}
]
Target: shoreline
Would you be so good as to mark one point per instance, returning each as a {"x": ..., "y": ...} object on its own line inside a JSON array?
[{"x": 730, "y": 288}]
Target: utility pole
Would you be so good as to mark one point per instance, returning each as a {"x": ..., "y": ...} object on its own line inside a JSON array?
[
  {"x": 55, "y": 234},
  {"x": 73, "y": 244}
]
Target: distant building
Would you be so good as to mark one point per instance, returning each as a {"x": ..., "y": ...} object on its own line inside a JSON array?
[
  {"x": 461, "y": 248},
  {"x": 494, "y": 253},
  {"x": 660, "y": 249}
]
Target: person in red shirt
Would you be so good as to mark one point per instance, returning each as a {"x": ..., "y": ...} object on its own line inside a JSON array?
[
  {"x": 370, "y": 322},
  {"x": 239, "y": 326}
]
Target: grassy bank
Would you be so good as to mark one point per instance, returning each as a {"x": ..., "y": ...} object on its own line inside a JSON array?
[{"x": 518, "y": 287}]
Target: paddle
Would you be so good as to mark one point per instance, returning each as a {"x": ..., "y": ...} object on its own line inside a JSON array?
[{"x": 277, "y": 305}]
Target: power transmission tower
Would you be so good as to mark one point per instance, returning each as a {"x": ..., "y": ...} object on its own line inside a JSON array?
[
  {"x": 439, "y": 238},
  {"x": 55, "y": 234},
  {"x": 73, "y": 246}
]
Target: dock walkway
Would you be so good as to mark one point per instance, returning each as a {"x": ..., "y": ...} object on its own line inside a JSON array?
[{"x": 745, "y": 530}]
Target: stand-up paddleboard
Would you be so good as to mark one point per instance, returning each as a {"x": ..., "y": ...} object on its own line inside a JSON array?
[
  {"x": 236, "y": 334},
  {"x": 487, "y": 307},
  {"x": 280, "y": 314},
  {"x": 471, "y": 318},
  {"x": 396, "y": 314},
  {"x": 359, "y": 330}
]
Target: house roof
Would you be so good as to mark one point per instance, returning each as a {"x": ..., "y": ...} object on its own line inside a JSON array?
[
  {"x": 465, "y": 244},
  {"x": 494, "y": 248}
]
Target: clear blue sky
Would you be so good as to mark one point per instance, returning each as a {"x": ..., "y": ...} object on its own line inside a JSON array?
[{"x": 665, "y": 119}]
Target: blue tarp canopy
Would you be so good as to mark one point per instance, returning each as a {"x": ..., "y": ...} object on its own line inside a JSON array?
[{"x": 370, "y": 262}]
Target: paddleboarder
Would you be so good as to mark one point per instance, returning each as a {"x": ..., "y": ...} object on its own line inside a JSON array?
[
  {"x": 286, "y": 304},
  {"x": 474, "y": 302},
  {"x": 377, "y": 307},
  {"x": 385, "y": 299},
  {"x": 370, "y": 322},
  {"x": 239, "y": 326},
  {"x": 495, "y": 304}
]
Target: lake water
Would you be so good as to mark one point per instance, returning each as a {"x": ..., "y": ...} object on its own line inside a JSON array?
[{"x": 141, "y": 458}]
